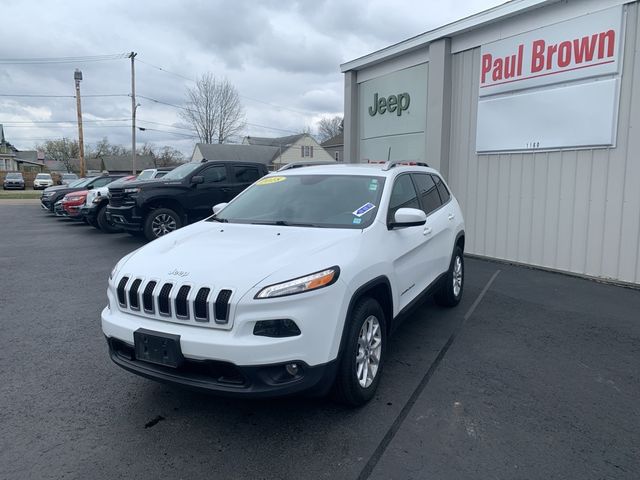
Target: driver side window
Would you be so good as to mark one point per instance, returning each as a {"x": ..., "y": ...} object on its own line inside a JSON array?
[
  {"x": 403, "y": 195},
  {"x": 215, "y": 174}
]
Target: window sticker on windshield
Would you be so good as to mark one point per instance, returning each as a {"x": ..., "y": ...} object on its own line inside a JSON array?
[
  {"x": 270, "y": 180},
  {"x": 357, "y": 220},
  {"x": 373, "y": 186},
  {"x": 364, "y": 209}
]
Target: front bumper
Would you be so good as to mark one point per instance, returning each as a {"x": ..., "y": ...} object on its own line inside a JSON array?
[
  {"x": 127, "y": 217},
  {"x": 224, "y": 378},
  {"x": 73, "y": 211},
  {"x": 13, "y": 186}
]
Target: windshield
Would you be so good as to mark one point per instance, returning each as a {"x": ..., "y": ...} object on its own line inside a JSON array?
[
  {"x": 14, "y": 175},
  {"x": 182, "y": 171},
  {"x": 145, "y": 175},
  {"x": 43, "y": 176},
  {"x": 332, "y": 201},
  {"x": 80, "y": 183}
]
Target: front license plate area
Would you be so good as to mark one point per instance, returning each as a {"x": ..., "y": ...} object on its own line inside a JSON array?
[{"x": 158, "y": 347}]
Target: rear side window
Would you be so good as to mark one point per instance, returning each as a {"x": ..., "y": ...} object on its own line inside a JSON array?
[
  {"x": 215, "y": 174},
  {"x": 246, "y": 174},
  {"x": 428, "y": 192},
  {"x": 403, "y": 195},
  {"x": 442, "y": 189}
]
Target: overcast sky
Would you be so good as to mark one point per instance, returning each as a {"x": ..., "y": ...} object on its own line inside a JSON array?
[{"x": 283, "y": 56}]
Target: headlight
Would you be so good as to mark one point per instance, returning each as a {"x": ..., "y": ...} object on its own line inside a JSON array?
[
  {"x": 312, "y": 281},
  {"x": 131, "y": 190}
]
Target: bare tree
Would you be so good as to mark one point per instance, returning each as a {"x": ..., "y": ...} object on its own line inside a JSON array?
[
  {"x": 214, "y": 109},
  {"x": 330, "y": 127},
  {"x": 168, "y": 157},
  {"x": 104, "y": 147},
  {"x": 62, "y": 150}
]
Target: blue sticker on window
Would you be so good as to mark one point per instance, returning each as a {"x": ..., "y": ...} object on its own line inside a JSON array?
[
  {"x": 357, "y": 220},
  {"x": 364, "y": 209}
]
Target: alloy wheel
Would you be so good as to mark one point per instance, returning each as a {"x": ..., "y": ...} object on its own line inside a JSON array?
[{"x": 369, "y": 351}]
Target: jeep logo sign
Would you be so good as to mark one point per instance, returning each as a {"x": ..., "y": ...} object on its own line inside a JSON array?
[{"x": 393, "y": 103}]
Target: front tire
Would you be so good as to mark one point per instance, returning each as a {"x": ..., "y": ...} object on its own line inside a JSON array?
[
  {"x": 160, "y": 222},
  {"x": 362, "y": 360},
  {"x": 450, "y": 292},
  {"x": 102, "y": 222}
]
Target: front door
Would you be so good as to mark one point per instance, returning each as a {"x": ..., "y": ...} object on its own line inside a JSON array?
[{"x": 212, "y": 191}]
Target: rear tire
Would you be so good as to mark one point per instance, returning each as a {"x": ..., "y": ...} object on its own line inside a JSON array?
[
  {"x": 361, "y": 362},
  {"x": 450, "y": 292},
  {"x": 102, "y": 222},
  {"x": 160, "y": 222}
]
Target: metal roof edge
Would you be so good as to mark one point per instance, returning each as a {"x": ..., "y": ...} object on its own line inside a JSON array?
[{"x": 500, "y": 12}]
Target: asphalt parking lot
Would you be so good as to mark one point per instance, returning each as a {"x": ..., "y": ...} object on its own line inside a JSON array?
[{"x": 533, "y": 375}]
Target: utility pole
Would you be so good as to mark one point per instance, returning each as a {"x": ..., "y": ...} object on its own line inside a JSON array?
[
  {"x": 77, "y": 75},
  {"x": 134, "y": 106}
]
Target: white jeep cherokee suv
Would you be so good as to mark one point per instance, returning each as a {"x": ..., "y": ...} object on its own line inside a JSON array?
[{"x": 293, "y": 286}]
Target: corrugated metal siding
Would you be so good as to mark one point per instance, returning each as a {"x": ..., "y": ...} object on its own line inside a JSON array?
[{"x": 575, "y": 210}]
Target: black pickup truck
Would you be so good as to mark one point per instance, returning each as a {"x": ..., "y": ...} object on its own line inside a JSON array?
[{"x": 185, "y": 195}]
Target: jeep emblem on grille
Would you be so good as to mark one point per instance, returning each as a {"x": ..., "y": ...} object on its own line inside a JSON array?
[{"x": 179, "y": 273}]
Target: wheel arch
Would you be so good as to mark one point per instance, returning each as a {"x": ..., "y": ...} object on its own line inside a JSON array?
[{"x": 379, "y": 289}]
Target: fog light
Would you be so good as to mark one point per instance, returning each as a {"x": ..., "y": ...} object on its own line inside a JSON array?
[
  {"x": 292, "y": 369},
  {"x": 276, "y": 328}
]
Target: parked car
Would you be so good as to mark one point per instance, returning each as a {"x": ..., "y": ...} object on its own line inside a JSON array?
[
  {"x": 184, "y": 195},
  {"x": 42, "y": 181},
  {"x": 67, "y": 178},
  {"x": 293, "y": 286},
  {"x": 14, "y": 181},
  {"x": 94, "y": 209},
  {"x": 72, "y": 203},
  {"x": 52, "y": 194}
]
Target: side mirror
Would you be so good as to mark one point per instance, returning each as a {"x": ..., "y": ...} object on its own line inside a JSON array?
[
  {"x": 89, "y": 187},
  {"x": 408, "y": 217},
  {"x": 197, "y": 179},
  {"x": 216, "y": 209}
]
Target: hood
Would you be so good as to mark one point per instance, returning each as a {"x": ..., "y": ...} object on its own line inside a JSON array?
[
  {"x": 236, "y": 256},
  {"x": 139, "y": 183},
  {"x": 55, "y": 188}
]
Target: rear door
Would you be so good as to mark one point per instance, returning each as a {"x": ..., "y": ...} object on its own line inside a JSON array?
[
  {"x": 243, "y": 176},
  {"x": 212, "y": 191},
  {"x": 436, "y": 230}
]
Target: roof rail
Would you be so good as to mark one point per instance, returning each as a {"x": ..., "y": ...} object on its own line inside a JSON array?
[
  {"x": 289, "y": 166},
  {"x": 393, "y": 163}
]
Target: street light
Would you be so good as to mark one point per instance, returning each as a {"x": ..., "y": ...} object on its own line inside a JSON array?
[{"x": 77, "y": 76}]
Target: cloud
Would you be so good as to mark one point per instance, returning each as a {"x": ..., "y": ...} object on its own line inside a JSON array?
[{"x": 283, "y": 56}]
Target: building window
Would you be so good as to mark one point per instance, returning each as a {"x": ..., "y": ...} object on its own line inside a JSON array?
[{"x": 307, "y": 151}]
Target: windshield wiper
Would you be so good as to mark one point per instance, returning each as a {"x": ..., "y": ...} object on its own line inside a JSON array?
[
  {"x": 284, "y": 223},
  {"x": 216, "y": 219}
]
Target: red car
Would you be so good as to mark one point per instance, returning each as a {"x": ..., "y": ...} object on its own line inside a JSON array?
[{"x": 73, "y": 202}]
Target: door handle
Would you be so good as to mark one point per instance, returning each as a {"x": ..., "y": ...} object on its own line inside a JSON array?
[
  {"x": 426, "y": 231},
  {"x": 451, "y": 216}
]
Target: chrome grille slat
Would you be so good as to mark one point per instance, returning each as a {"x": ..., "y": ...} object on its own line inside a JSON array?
[
  {"x": 134, "y": 299},
  {"x": 122, "y": 298},
  {"x": 147, "y": 297},
  {"x": 222, "y": 306},
  {"x": 201, "y": 307},
  {"x": 164, "y": 304},
  {"x": 182, "y": 306}
]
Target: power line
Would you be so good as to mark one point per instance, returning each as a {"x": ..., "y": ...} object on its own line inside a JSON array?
[
  {"x": 190, "y": 110},
  {"x": 10, "y": 123},
  {"x": 302, "y": 112},
  {"x": 50, "y": 60},
  {"x": 37, "y": 95}
]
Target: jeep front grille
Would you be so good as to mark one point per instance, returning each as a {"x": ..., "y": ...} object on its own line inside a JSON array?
[{"x": 179, "y": 303}]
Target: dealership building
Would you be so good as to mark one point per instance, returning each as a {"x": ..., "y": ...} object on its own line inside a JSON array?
[{"x": 531, "y": 111}]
